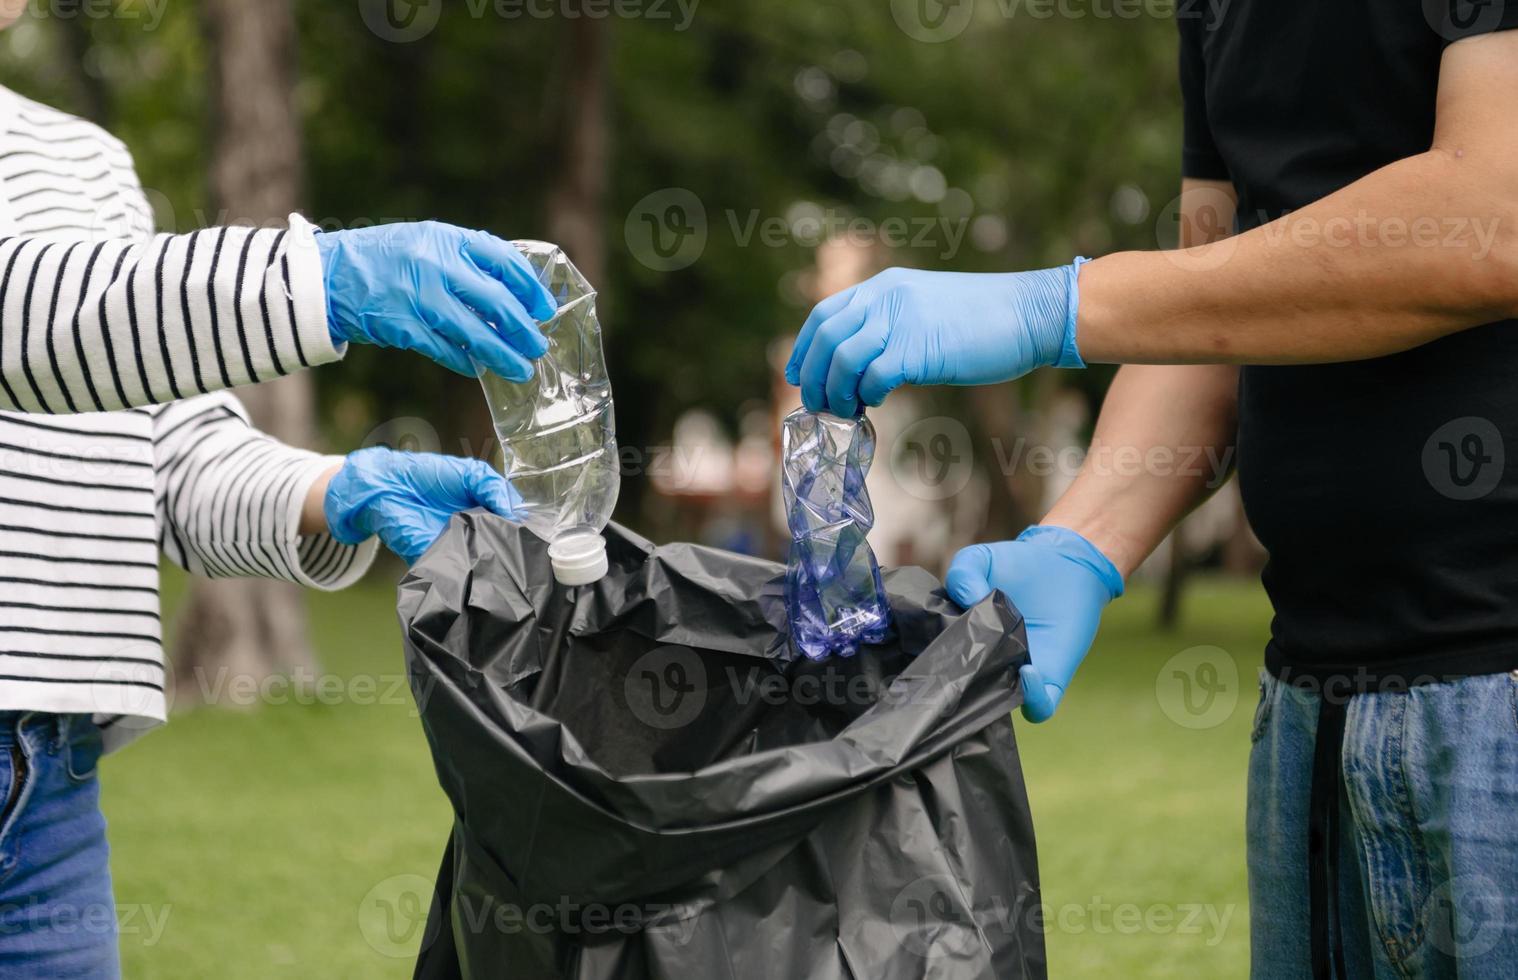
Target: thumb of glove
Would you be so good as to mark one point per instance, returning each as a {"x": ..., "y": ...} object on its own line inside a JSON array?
[
  {"x": 969, "y": 578},
  {"x": 1040, "y": 698}
]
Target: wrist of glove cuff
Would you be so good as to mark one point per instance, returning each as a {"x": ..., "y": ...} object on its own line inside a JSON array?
[
  {"x": 326, "y": 245},
  {"x": 346, "y": 501},
  {"x": 1077, "y": 549},
  {"x": 1069, "y": 355},
  {"x": 1045, "y": 304}
]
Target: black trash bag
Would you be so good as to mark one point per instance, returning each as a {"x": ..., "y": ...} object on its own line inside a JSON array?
[{"x": 649, "y": 785}]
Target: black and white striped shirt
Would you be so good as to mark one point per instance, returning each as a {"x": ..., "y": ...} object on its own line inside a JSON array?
[{"x": 117, "y": 440}]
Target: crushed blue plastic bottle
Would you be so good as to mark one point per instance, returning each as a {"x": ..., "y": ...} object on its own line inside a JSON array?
[{"x": 834, "y": 595}]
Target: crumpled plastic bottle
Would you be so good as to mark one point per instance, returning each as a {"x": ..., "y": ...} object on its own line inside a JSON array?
[
  {"x": 834, "y": 595},
  {"x": 558, "y": 428}
]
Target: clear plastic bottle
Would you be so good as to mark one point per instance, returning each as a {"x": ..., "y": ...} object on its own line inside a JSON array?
[
  {"x": 558, "y": 431},
  {"x": 833, "y": 591}
]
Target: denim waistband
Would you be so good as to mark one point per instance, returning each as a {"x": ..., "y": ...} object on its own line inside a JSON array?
[
  {"x": 38, "y": 726},
  {"x": 1346, "y": 679}
]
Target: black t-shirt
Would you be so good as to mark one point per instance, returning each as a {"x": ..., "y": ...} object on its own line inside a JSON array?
[{"x": 1385, "y": 490}]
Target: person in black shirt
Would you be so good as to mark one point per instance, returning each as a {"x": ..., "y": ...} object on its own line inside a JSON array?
[{"x": 1341, "y": 313}]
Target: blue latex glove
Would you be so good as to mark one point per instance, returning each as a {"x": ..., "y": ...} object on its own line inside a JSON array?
[
  {"x": 407, "y": 498},
  {"x": 907, "y": 326},
  {"x": 1060, "y": 582},
  {"x": 447, "y": 293}
]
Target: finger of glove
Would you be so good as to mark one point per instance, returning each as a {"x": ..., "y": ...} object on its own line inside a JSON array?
[
  {"x": 491, "y": 490},
  {"x": 822, "y": 311},
  {"x": 494, "y": 302},
  {"x": 819, "y": 356},
  {"x": 969, "y": 578},
  {"x": 1040, "y": 698},
  {"x": 850, "y": 360},
  {"x": 505, "y": 262},
  {"x": 411, "y": 535},
  {"x": 884, "y": 375},
  {"x": 425, "y": 339},
  {"x": 461, "y": 326}
]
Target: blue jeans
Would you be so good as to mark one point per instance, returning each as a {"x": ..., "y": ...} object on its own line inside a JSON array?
[
  {"x": 57, "y": 915},
  {"x": 1428, "y": 860}
]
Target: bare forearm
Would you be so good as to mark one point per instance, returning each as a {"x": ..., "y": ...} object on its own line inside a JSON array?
[
  {"x": 1422, "y": 248},
  {"x": 1163, "y": 443},
  {"x": 313, "y": 517},
  {"x": 1395, "y": 260}
]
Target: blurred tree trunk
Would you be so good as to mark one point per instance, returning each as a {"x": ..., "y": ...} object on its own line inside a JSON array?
[
  {"x": 578, "y": 194},
  {"x": 995, "y": 419},
  {"x": 251, "y": 627},
  {"x": 1176, "y": 570},
  {"x": 1005, "y": 432},
  {"x": 95, "y": 104}
]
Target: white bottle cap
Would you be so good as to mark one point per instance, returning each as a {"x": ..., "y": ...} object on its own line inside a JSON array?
[{"x": 579, "y": 558}]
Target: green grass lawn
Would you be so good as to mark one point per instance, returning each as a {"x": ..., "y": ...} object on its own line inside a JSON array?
[
  {"x": 1140, "y": 818},
  {"x": 294, "y": 840}
]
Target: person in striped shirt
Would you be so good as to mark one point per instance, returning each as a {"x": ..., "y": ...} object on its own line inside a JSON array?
[{"x": 119, "y": 440}]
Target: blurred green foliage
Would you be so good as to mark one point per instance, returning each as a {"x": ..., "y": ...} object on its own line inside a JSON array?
[{"x": 1038, "y": 132}]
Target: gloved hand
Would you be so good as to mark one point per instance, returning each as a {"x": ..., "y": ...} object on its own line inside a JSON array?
[
  {"x": 907, "y": 326},
  {"x": 407, "y": 498},
  {"x": 447, "y": 293},
  {"x": 1060, "y": 582}
]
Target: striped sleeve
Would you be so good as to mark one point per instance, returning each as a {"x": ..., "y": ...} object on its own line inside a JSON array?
[
  {"x": 228, "y": 499},
  {"x": 104, "y": 324}
]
